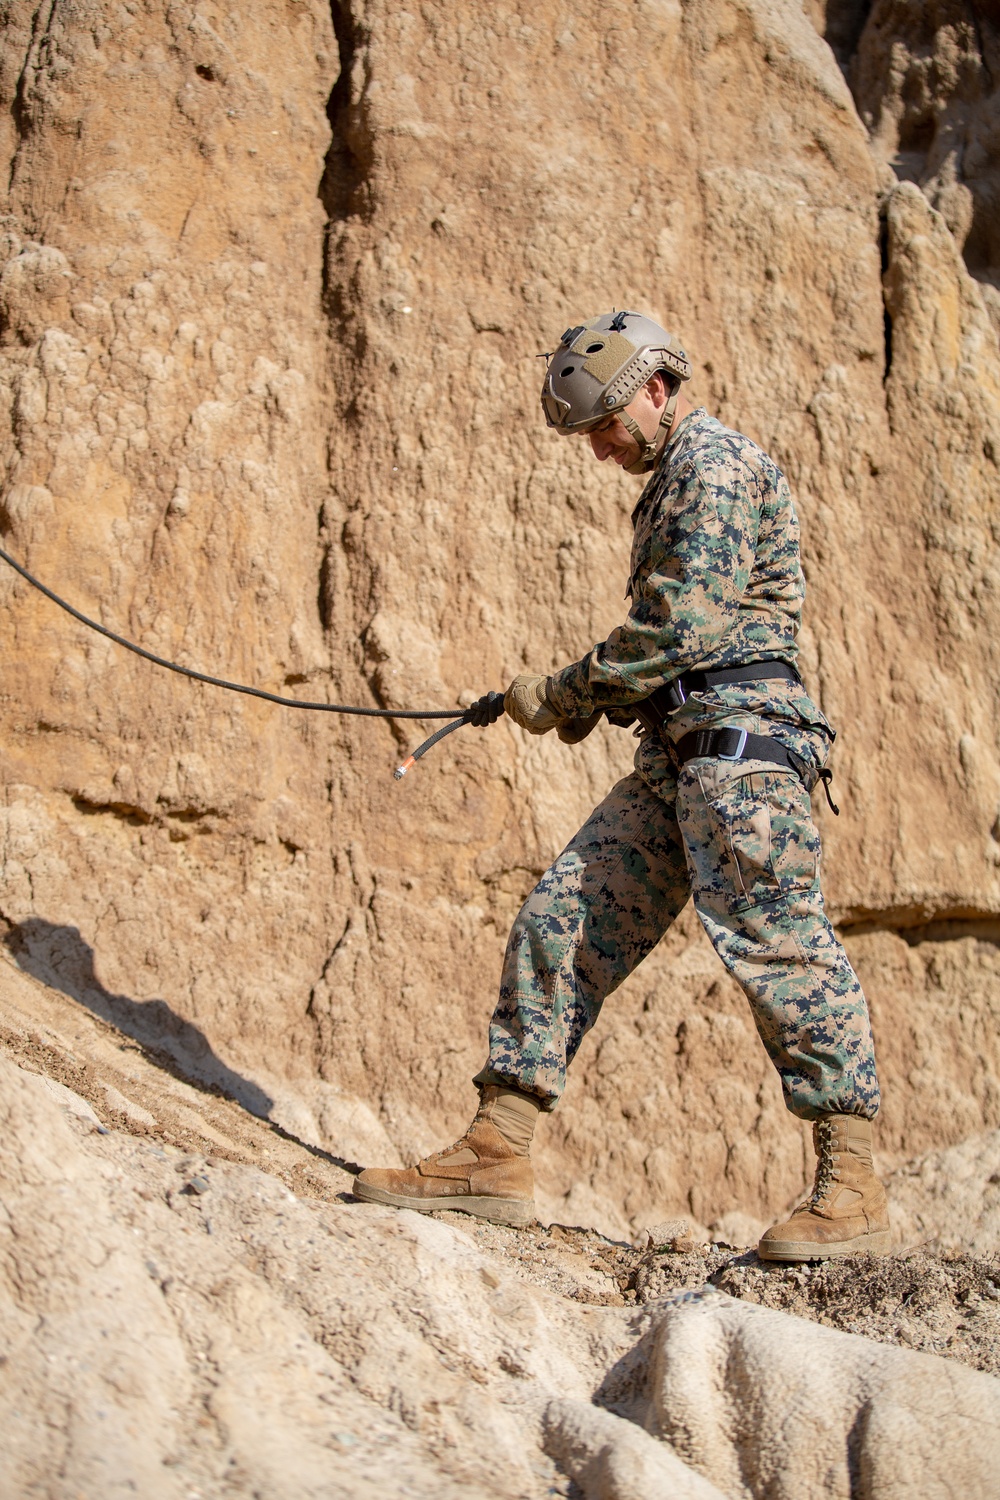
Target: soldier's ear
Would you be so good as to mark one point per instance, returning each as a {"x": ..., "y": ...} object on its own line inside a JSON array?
[{"x": 657, "y": 388}]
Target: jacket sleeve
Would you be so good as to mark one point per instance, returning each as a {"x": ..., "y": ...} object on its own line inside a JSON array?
[{"x": 701, "y": 554}]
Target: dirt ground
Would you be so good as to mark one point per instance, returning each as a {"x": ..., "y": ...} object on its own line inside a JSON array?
[{"x": 918, "y": 1299}]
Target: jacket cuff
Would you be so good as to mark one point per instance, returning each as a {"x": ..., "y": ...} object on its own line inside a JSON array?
[{"x": 567, "y": 692}]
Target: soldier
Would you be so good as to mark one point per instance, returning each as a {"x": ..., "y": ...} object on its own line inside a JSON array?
[{"x": 717, "y": 807}]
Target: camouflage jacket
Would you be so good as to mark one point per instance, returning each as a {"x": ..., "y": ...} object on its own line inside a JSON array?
[{"x": 715, "y": 577}]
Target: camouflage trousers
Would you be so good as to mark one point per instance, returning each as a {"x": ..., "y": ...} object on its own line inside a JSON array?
[{"x": 740, "y": 839}]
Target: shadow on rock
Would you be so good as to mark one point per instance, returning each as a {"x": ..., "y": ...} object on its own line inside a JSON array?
[{"x": 60, "y": 958}]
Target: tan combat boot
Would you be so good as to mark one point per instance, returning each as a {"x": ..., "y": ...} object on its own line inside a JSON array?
[
  {"x": 847, "y": 1213},
  {"x": 486, "y": 1173}
]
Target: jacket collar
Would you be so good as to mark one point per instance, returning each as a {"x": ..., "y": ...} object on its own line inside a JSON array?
[{"x": 659, "y": 472}]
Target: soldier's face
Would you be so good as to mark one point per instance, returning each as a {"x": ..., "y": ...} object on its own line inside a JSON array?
[{"x": 612, "y": 439}]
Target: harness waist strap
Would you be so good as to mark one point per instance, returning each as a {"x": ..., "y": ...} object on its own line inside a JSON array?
[
  {"x": 652, "y": 711},
  {"x": 751, "y": 671},
  {"x": 739, "y": 744}
]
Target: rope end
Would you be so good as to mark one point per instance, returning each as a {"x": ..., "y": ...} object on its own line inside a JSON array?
[{"x": 401, "y": 771}]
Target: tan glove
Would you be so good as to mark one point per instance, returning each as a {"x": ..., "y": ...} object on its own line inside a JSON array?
[
  {"x": 527, "y": 705},
  {"x": 572, "y": 731}
]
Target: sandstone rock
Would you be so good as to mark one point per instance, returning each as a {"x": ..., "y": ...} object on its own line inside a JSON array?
[
  {"x": 817, "y": 1412},
  {"x": 738, "y": 1229},
  {"x": 950, "y": 1199},
  {"x": 133, "y": 1112},
  {"x": 669, "y": 1232},
  {"x": 612, "y": 1459},
  {"x": 72, "y": 1102},
  {"x": 264, "y": 1338},
  {"x": 925, "y": 82}
]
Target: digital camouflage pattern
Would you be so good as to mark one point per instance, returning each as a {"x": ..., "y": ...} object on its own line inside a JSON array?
[
  {"x": 741, "y": 839},
  {"x": 715, "y": 581},
  {"x": 715, "y": 578}
]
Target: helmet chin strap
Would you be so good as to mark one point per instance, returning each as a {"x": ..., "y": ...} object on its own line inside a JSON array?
[{"x": 649, "y": 447}]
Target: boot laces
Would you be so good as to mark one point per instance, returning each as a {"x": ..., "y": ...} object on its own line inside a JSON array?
[
  {"x": 463, "y": 1139},
  {"x": 826, "y": 1171}
]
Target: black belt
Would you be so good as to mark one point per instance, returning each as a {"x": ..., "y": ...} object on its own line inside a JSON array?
[
  {"x": 652, "y": 711},
  {"x": 740, "y": 744},
  {"x": 752, "y": 671}
]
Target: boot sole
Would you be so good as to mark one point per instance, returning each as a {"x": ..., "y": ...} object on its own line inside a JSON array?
[
  {"x": 515, "y": 1211},
  {"x": 875, "y": 1243}
]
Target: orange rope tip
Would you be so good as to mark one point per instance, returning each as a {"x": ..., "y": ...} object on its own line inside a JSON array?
[{"x": 401, "y": 771}]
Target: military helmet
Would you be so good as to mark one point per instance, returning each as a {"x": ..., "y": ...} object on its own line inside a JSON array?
[{"x": 598, "y": 369}]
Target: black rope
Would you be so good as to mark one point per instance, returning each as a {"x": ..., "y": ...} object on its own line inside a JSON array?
[
  {"x": 469, "y": 715},
  {"x": 429, "y": 744}
]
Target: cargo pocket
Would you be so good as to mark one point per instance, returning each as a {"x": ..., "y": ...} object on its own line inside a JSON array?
[{"x": 766, "y": 838}]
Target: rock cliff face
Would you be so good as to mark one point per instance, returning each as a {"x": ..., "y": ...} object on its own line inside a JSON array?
[{"x": 274, "y": 280}]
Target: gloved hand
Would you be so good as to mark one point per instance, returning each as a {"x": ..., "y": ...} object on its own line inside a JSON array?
[
  {"x": 528, "y": 706},
  {"x": 572, "y": 731}
]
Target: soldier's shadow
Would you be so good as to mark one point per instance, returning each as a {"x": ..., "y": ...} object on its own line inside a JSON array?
[{"x": 61, "y": 959}]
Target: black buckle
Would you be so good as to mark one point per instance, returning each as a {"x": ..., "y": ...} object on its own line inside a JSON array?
[
  {"x": 734, "y": 739},
  {"x": 676, "y": 695},
  {"x": 824, "y": 775}
]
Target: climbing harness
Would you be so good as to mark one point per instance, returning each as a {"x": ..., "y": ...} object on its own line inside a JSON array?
[
  {"x": 486, "y": 710},
  {"x": 729, "y": 743},
  {"x": 740, "y": 744},
  {"x": 653, "y": 712},
  {"x": 752, "y": 671}
]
